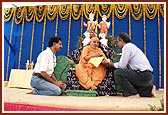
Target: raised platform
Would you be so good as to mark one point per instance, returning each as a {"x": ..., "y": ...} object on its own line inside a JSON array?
[{"x": 16, "y": 96}]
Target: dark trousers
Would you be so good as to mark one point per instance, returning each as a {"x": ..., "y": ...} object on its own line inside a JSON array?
[{"x": 134, "y": 82}]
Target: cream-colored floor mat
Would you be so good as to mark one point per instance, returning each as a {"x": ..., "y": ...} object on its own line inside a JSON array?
[{"x": 112, "y": 103}]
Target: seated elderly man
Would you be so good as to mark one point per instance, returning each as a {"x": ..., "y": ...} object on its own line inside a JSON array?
[
  {"x": 88, "y": 74},
  {"x": 104, "y": 86}
]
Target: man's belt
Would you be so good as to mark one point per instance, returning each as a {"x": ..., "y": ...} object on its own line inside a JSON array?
[
  {"x": 145, "y": 71},
  {"x": 148, "y": 71},
  {"x": 37, "y": 74}
]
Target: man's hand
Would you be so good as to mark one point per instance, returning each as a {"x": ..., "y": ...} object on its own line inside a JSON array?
[
  {"x": 53, "y": 77},
  {"x": 61, "y": 84},
  {"x": 104, "y": 62}
]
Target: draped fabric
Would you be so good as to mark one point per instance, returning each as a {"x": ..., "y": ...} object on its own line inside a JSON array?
[
  {"x": 28, "y": 29},
  {"x": 88, "y": 74},
  {"x": 76, "y": 10},
  {"x": 27, "y": 107}
]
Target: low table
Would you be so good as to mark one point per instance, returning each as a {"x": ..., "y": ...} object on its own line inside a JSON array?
[{"x": 20, "y": 78}]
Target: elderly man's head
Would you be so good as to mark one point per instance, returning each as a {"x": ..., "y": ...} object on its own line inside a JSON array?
[{"x": 94, "y": 42}]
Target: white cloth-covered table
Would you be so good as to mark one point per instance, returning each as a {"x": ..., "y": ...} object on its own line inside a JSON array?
[{"x": 20, "y": 78}]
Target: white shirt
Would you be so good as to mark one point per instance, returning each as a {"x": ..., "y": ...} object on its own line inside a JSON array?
[
  {"x": 133, "y": 57},
  {"x": 46, "y": 61}
]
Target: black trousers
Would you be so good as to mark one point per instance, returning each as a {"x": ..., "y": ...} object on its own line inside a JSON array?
[{"x": 134, "y": 82}]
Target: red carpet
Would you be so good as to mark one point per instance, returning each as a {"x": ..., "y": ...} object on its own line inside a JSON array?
[{"x": 26, "y": 107}]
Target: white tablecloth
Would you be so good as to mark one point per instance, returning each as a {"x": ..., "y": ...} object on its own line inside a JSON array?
[{"x": 20, "y": 78}]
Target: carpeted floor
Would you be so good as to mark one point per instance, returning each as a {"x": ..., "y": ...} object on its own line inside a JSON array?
[{"x": 100, "y": 103}]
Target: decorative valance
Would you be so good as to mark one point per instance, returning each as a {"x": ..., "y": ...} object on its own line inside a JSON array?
[{"x": 75, "y": 10}]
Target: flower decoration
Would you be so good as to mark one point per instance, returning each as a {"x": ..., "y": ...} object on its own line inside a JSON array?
[
  {"x": 112, "y": 43},
  {"x": 80, "y": 39},
  {"x": 154, "y": 108}
]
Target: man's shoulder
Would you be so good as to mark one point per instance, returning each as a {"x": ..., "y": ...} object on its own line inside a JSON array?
[
  {"x": 131, "y": 47},
  {"x": 130, "y": 44},
  {"x": 46, "y": 51}
]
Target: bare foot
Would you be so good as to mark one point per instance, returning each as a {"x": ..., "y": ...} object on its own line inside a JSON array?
[
  {"x": 31, "y": 92},
  {"x": 64, "y": 94},
  {"x": 93, "y": 88},
  {"x": 153, "y": 92},
  {"x": 134, "y": 96}
]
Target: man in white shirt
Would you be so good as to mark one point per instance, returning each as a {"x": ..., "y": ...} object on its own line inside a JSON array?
[
  {"x": 43, "y": 80},
  {"x": 133, "y": 72}
]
